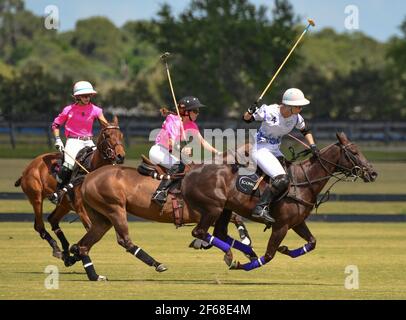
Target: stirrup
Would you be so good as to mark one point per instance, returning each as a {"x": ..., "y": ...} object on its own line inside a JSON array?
[
  {"x": 57, "y": 196},
  {"x": 54, "y": 198},
  {"x": 264, "y": 215},
  {"x": 160, "y": 197}
]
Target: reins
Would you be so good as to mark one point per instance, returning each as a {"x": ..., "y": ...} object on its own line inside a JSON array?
[
  {"x": 356, "y": 171},
  {"x": 109, "y": 152}
]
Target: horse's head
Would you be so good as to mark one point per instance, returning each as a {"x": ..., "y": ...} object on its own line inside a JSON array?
[
  {"x": 110, "y": 142},
  {"x": 353, "y": 162}
]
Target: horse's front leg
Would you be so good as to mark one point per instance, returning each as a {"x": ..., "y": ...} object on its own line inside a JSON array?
[
  {"x": 54, "y": 218},
  {"x": 278, "y": 234},
  {"x": 303, "y": 231}
]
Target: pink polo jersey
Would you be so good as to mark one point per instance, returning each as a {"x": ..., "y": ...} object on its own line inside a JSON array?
[
  {"x": 78, "y": 119},
  {"x": 171, "y": 129}
]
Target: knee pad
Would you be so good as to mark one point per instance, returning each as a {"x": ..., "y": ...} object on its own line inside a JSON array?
[{"x": 281, "y": 183}]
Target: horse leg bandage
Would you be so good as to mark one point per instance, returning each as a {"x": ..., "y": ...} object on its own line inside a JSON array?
[
  {"x": 301, "y": 251},
  {"x": 89, "y": 268},
  {"x": 240, "y": 246},
  {"x": 217, "y": 243},
  {"x": 142, "y": 255},
  {"x": 254, "y": 264}
]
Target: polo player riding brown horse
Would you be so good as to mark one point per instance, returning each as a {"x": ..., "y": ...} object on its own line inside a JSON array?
[{"x": 38, "y": 182}]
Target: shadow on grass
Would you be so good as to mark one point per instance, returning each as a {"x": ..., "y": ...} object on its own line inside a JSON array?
[
  {"x": 36, "y": 272},
  {"x": 216, "y": 283}
]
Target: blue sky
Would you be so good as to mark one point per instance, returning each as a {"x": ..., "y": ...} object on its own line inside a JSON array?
[{"x": 379, "y": 19}]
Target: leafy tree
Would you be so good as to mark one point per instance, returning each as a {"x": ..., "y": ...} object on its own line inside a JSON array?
[
  {"x": 99, "y": 38},
  {"x": 224, "y": 51},
  {"x": 17, "y": 29},
  {"x": 396, "y": 70}
]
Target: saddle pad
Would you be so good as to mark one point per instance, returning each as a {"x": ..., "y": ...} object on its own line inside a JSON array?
[{"x": 246, "y": 184}]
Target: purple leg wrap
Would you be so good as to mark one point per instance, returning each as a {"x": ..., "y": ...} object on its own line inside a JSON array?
[
  {"x": 240, "y": 246},
  {"x": 254, "y": 264},
  {"x": 301, "y": 251},
  {"x": 217, "y": 243}
]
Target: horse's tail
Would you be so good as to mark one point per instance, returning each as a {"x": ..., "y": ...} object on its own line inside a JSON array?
[{"x": 18, "y": 182}]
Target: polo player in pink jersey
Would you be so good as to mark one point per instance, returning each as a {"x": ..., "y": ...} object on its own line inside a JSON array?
[
  {"x": 78, "y": 120},
  {"x": 169, "y": 138}
]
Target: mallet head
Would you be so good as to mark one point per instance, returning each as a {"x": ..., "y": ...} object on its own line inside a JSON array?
[
  {"x": 165, "y": 55},
  {"x": 311, "y": 22}
]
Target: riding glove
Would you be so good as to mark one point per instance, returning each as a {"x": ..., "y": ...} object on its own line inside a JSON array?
[
  {"x": 254, "y": 107},
  {"x": 59, "y": 144},
  {"x": 315, "y": 150}
]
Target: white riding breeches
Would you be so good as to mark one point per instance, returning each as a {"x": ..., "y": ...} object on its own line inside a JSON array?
[
  {"x": 265, "y": 156},
  {"x": 72, "y": 148},
  {"x": 160, "y": 155}
]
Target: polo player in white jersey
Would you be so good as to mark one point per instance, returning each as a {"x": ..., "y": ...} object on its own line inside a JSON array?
[{"x": 277, "y": 121}]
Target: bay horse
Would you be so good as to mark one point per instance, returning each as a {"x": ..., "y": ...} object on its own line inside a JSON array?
[
  {"x": 38, "y": 182},
  {"x": 214, "y": 197},
  {"x": 210, "y": 196}
]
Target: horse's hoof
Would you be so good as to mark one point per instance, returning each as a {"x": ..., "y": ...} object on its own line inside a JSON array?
[
  {"x": 69, "y": 261},
  {"x": 57, "y": 254},
  {"x": 199, "y": 244},
  {"x": 235, "y": 265},
  {"x": 196, "y": 244},
  {"x": 161, "y": 268},
  {"x": 283, "y": 249},
  {"x": 228, "y": 258},
  {"x": 102, "y": 278}
]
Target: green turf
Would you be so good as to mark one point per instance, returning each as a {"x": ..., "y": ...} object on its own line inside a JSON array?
[{"x": 376, "y": 249}]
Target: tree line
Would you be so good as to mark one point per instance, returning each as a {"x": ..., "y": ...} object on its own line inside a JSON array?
[{"x": 223, "y": 51}]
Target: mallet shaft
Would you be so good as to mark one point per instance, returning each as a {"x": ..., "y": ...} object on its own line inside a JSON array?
[{"x": 311, "y": 23}]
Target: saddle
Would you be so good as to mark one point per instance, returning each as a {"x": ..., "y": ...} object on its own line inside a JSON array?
[
  {"x": 147, "y": 168},
  {"x": 249, "y": 183}
]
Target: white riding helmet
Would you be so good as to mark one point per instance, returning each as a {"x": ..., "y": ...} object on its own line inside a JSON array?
[
  {"x": 294, "y": 97},
  {"x": 83, "y": 87}
]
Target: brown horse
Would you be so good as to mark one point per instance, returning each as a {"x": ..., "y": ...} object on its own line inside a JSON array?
[
  {"x": 210, "y": 196},
  {"x": 38, "y": 182},
  {"x": 341, "y": 160}
]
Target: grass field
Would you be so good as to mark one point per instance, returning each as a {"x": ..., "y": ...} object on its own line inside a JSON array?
[{"x": 376, "y": 249}]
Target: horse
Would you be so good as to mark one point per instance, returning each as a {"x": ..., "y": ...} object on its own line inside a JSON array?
[
  {"x": 214, "y": 197},
  {"x": 210, "y": 196},
  {"x": 129, "y": 190},
  {"x": 38, "y": 182}
]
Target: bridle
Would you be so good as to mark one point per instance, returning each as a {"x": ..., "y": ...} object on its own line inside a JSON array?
[
  {"x": 107, "y": 150},
  {"x": 350, "y": 174},
  {"x": 356, "y": 171}
]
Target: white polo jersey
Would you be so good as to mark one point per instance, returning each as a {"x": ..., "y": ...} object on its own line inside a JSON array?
[{"x": 274, "y": 126}]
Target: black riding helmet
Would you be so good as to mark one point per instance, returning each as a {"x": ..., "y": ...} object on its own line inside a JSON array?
[{"x": 190, "y": 103}]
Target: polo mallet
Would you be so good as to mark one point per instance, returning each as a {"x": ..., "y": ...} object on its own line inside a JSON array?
[
  {"x": 300, "y": 141},
  {"x": 311, "y": 23},
  {"x": 164, "y": 59}
]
